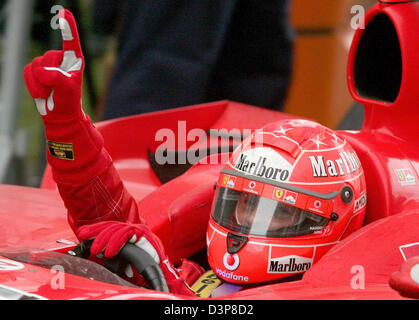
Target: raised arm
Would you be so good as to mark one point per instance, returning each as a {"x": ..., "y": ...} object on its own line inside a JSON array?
[
  {"x": 97, "y": 202},
  {"x": 82, "y": 168}
]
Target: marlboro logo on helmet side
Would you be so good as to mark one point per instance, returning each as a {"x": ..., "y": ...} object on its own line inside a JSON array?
[
  {"x": 290, "y": 264},
  {"x": 346, "y": 164}
]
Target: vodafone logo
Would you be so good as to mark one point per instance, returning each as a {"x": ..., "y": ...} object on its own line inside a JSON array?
[
  {"x": 231, "y": 261},
  {"x": 317, "y": 204}
]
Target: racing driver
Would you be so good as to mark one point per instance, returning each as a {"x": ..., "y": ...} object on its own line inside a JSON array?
[{"x": 278, "y": 206}]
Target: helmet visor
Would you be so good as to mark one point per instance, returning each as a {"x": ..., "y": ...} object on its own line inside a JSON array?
[{"x": 255, "y": 215}]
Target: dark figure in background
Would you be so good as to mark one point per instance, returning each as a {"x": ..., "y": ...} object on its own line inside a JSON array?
[{"x": 179, "y": 53}]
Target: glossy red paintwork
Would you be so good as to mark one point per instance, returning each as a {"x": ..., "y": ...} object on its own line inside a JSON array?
[
  {"x": 178, "y": 210},
  {"x": 32, "y": 218},
  {"x": 388, "y": 141}
]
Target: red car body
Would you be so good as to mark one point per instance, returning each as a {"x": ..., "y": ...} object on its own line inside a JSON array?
[{"x": 176, "y": 199}]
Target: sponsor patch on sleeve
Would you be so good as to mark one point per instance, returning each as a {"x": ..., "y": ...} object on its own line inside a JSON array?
[{"x": 61, "y": 150}]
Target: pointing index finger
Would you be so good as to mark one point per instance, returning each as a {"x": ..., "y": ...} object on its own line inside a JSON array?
[{"x": 69, "y": 33}]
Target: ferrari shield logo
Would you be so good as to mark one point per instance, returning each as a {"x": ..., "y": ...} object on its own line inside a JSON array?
[{"x": 278, "y": 194}]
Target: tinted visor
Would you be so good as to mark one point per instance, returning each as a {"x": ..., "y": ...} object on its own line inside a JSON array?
[{"x": 255, "y": 215}]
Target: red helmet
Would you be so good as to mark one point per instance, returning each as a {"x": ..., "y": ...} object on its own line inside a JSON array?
[{"x": 290, "y": 192}]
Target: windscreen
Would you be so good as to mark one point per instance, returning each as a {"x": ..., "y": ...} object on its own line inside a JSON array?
[{"x": 70, "y": 264}]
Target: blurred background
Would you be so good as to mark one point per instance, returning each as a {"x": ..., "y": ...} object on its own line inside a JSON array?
[{"x": 319, "y": 38}]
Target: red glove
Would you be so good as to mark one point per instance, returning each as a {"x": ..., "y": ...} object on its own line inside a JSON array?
[
  {"x": 55, "y": 82},
  {"x": 55, "y": 79},
  {"x": 111, "y": 236}
]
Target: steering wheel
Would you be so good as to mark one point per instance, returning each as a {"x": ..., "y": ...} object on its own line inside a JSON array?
[{"x": 137, "y": 257}]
